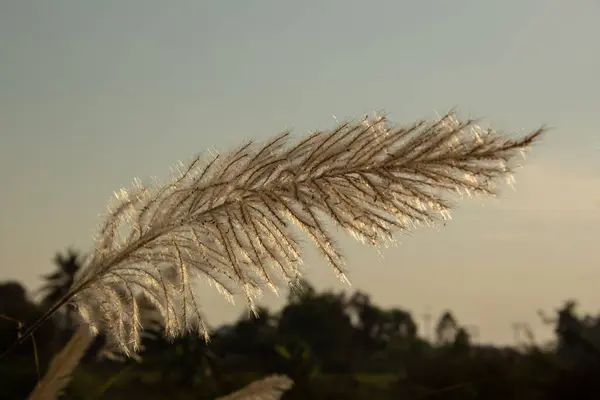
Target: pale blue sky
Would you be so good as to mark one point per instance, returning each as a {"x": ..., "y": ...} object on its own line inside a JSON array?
[{"x": 93, "y": 94}]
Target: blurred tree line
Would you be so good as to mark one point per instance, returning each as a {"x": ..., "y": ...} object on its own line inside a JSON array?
[{"x": 333, "y": 345}]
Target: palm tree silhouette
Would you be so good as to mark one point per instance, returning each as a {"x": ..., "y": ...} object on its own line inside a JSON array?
[{"x": 58, "y": 283}]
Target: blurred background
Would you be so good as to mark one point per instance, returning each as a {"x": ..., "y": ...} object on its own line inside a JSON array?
[{"x": 93, "y": 94}]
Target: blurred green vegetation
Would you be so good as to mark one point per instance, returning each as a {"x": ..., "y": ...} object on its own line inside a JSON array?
[{"x": 333, "y": 345}]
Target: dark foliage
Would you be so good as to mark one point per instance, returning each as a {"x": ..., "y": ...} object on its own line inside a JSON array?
[{"x": 332, "y": 345}]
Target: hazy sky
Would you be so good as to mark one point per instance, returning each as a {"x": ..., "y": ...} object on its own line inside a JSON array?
[{"x": 93, "y": 94}]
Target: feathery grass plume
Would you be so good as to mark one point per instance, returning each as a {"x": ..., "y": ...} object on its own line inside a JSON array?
[
  {"x": 228, "y": 218},
  {"x": 62, "y": 366},
  {"x": 269, "y": 388}
]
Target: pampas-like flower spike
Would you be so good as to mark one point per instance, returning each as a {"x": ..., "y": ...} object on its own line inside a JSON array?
[
  {"x": 270, "y": 388},
  {"x": 228, "y": 219},
  {"x": 61, "y": 367}
]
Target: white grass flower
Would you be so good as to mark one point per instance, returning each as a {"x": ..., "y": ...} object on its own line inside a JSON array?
[
  {"x": 60, "y": 370},
  {"x": 229, "y": 218},
  {"x": 270, "y": 388}
]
